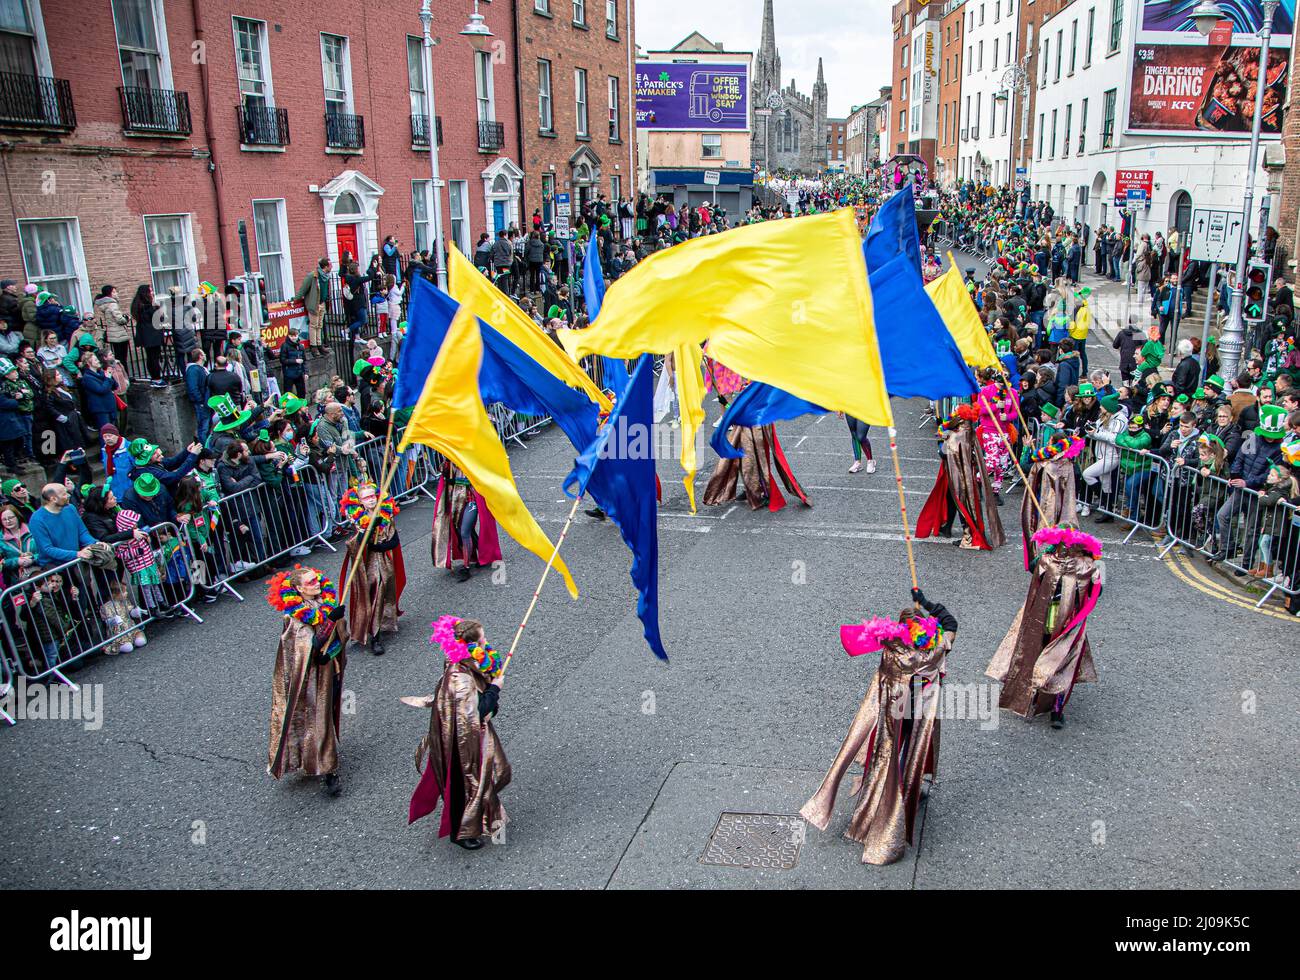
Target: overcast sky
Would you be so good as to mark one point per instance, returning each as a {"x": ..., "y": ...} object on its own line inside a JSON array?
[{"x": 851, "y": 36}]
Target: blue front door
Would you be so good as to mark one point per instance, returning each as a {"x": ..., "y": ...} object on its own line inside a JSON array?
[{"x": 498, "y": 216}]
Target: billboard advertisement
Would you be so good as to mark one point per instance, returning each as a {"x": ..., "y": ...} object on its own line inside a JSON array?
[
  {"x": 1183, "y": 83},
  {"x": 703, "y": 95}
]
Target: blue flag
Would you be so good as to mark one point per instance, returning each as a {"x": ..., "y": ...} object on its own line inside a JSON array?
[
  {"x": 758, "y": 404},
  {"x": 618, "y": 469},
  {"x": 593, "y": 291},
  {"x": 919, "y": 355},
  {"x": 507, "y": 374}
]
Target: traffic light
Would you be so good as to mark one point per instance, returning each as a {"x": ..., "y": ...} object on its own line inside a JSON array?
[{"x": 1259, "y": 281}]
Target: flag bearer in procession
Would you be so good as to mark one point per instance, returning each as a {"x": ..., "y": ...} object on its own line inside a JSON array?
[{"x": 379, "y": 578}]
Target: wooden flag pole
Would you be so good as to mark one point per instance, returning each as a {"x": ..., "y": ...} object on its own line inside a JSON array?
[
  {"x": 538, "y": 591},
  {"x": 902, "y": 506},
  {"x": 1014, "y": 459},
  {"x": 389, "y": 473}
]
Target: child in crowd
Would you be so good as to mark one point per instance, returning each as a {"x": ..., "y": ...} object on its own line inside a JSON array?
[{"x": 118, "y": 614}]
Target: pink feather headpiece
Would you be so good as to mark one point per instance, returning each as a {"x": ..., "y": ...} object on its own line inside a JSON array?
[
  {"x": 444, "y": 634},
  {"x": 1065, "y": 537},
  {"x": 871, "y": 636}
]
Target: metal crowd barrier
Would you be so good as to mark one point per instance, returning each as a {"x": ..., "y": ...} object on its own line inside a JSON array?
[
  {"x": 6, "y": 685},
  {"x": 1127, "y": 484},
  {"x": 61, "y": 615},
  {"x": 263, "y": 523},
  {"x": 1234, "y": 527}
]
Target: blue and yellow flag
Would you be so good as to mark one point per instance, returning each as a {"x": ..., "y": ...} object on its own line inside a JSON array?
[
  {"x": 785, "y": 302},
  {"x": 449, "y": 416},
  {"x": 950, "y": 298},
  {"x": 615, "y": 375}
]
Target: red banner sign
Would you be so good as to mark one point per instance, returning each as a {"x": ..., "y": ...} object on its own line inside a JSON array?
[
  {"x": 1205, "y": 90},
  {"x": 1133, "y": 179},
  {"x": 279, "y": 316}
]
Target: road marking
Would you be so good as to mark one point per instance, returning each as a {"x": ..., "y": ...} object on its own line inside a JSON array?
[
  {"x": 728, "y": 513},
  {"x": 802, "y": 439},
  {"x": 1182, "y": 567}
]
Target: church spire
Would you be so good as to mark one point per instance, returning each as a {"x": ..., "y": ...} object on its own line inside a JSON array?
[
  {"x": 821, "y": 78},
  {"x": 768, "y": 42}
]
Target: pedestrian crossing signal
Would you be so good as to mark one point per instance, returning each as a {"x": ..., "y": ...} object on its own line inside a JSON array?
[{"x": 1259, "y": 281}]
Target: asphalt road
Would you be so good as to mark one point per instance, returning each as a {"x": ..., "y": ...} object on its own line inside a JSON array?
[{"x": 1176, "y": 770}]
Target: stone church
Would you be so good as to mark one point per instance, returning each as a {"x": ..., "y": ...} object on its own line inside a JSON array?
[{"x": 793, "y": 136}]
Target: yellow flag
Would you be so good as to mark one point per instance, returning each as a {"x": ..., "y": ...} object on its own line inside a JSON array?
[
  {"x": 957, "y": 310},
  {"x": 690, "y": 398},
  {"x": 785, "y": 302},
  {"x": 471, "y": 288},
  {"x": 450, "y": 418}
]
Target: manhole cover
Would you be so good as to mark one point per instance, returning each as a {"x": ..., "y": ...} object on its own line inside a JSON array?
[{"x": 755, "y": 840}]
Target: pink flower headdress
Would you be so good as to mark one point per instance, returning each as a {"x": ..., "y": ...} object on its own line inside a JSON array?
[
  {"x": 871, "y": 636},
  {"x": 1066, "y": 537},
  {"x": 444, "y": 634}
]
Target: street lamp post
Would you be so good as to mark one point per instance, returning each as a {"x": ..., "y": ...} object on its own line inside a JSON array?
[
  {"x": 1206, "y": 15},
  {"x": 435, "y": 182}
]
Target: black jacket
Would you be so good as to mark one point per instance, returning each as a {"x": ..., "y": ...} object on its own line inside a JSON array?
[{"x": 1187, "y": 376}]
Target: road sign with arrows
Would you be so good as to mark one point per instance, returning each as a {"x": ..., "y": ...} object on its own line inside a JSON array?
[{"x": 1215, "y": 235}]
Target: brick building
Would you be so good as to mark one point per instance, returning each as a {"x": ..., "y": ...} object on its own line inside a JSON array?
[
  {"x": 134, "y": 139},
  {"x": 577, "y": 100},
  {"x": 951, "y": 46},
  {"x": 1288, "y": 219},
  {"x": 836, "y": 134}
]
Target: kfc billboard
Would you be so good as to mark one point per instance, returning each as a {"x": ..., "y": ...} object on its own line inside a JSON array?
[{"x": 1205, "y": 90}]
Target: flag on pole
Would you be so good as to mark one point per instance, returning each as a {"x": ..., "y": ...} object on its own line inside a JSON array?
[
  {"x": 759, "y": 404},
  {"x": 784, "y": 302},
  {"x": 593, "y": 291},
  {"x": 920, "y": 356},
  {"x": 449, "y": 416},
  {"x": 690, "y": 402},
  {"x": 618, "y": 469},
  {"x": 957, "y": 309}
]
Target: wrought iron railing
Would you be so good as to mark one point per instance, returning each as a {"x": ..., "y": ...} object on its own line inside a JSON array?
[
  {"x": 420, "y": 130},
  {"x": 491, "y": 135},
  {"x": 155, "y": 110},
  {"x": 344, "y": 131},
  {"x": 263, "y": 125},
  {"x": 36, "y": 102}
]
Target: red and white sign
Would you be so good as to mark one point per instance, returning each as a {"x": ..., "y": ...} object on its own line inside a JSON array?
[
  {"x": 279, "y": 316},
  {"x": 1133, "y": 179}
]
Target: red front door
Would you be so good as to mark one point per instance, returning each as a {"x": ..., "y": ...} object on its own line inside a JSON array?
[{"x": 347, "y": 236}]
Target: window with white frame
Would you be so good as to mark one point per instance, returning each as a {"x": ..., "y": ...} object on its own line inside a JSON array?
[
  {"x": 171, "y": 252},
  {"x": 1083, "y": 126},
  {"x": 52, "y": 259},
  {"x": 1051, "y": 148},
  {"x": 1116, "y": 25},
  {"x": 483, "y": 88},
  {"x": 580, "y": 100},
  {"x": 253, "y": 63},
  {"x": 1060, "y": 46},
  {"x": 615, "y": 128},
  {"x": 1074, "y": 42},
  {"x": 421, "y": 214},
  {"x": 711, "y": 146},
  {"x": 272, "y": 234},
  {"x": 141, "y": 43},
  {"x": 458, "y": 200},
  {"x": 580, "y": 12},
  {"x": 1092, "y": 29},
  {"x": 1065, "y": 143},
  {"x": 19, "y": 43},
  {"x": 1041, "y": 130},
  {"x": 415, "y": 77},
  {"x": 545, "y": 107},
  {"x": 611, "y": 18},
  {"x": 338, "y": 80},
  {"x": 615, "y": 187},
  {"x": 542, "y": 6}
]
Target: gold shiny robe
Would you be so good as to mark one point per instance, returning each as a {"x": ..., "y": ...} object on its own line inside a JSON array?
[
  {"x": 1052, "y": 482},
  {"x": 1035, "y": 662},
  {"x": 763, "y": 463},
  {"x": 889, "y": 788},
  {"x": 461, "y": 760},
  {"x": 970, "y": 484},
  {"x": 305, "y": 702},
  {"x": 372, "y": 600}
]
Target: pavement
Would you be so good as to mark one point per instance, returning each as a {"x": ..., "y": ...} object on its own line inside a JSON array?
[{"x": 1174, "y": 771}]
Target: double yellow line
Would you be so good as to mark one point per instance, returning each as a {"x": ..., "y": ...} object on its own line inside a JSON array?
[{"x": 1183, "y": 568}]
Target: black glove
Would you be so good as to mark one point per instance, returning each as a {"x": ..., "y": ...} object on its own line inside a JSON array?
[
  {"x": 488, "y": 702},
  {"x": 336, "y": 613},
  {"x": 919, "y": 598}
]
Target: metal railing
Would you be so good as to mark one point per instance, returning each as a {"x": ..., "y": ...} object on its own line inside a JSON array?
[
  {"x": 36, "y": 102},
  {"x": 263, "y": 125},
  {"x": 1127, "y": 484},
  {"x": 155, "y": 110},
  {"x": 420, "y": 129},
  {"x": 63, "y": 614},
  {"x": 344, "y": 131},
  {"x": 491, "y": 135}
]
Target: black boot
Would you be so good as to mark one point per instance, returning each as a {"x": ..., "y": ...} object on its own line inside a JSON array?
[
  {"x": 332, "y": 785},
  {"x": 596, "y": 512},
  {"x": 376, "y": 645},
  {"x": 469, "y": 843},
  {"x": 463, "y": 574},
  {"x": 1058, "y": 719}
]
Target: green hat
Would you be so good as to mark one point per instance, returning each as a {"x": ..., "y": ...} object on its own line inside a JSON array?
[
  {"x": 9, "y": 486},
  {"x": 1083, "y": 293},
  {"x": 1214, "y": 381},
  {"x": 228, "y": 417},
  {"x": 1050, "y": 410},
  {"x": 147, "y": 485},
  {"x": 1004, "y": 347},
  {"x": 1199, "y": 395},
  {"x": 42, "y": 296},
  {"x": 1182, "y": 399},
  {"x": 86, "y": 340},
  {"x": 292, "y": 404},
  {"x": 1160, "y": 390},
  {"x": 554, "y": 312},
  {"x": 1272, "y": 422},
  {"x": 141, "y": 451},
  {"x": 1087, "y": 390},
  {"x": 361, "y": 366},
  {"x": 1109, "y": 402},
  {"x": 1210, "y": 439},
  {"x": 1138, "y": 420},
  {"x": 6, "y": 365}
]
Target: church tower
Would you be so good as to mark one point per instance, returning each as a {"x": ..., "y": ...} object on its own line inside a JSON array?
[
  {"x": 818, "y": 161},
  {"x": 767, "y": 63}
]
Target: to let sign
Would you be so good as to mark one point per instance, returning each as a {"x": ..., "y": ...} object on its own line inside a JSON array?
[{"x": 1130, "y": 180}]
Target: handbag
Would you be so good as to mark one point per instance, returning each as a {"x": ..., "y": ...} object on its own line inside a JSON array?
[{"x": 102, "y": 556}]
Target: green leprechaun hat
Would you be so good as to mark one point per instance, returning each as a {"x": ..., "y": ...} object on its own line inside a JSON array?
[
  {"x": 1109, "y": 402},
  {"x": 228, "y": 417},
  {"x": 1087, "y": 390},
  {"x": 1272, "y": 422},
  {"x": 6, "y": 365},
  {"x": 1215, "y": 382},
  {"x": 147, "y": 485},
  {"x": 292, "y": 404},
  {"x": 1050, "y": 410},
  {"x": 141, "y": 451}
]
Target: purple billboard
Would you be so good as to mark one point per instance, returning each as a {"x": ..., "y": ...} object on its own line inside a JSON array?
[{"x": 708, "y": 95}]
